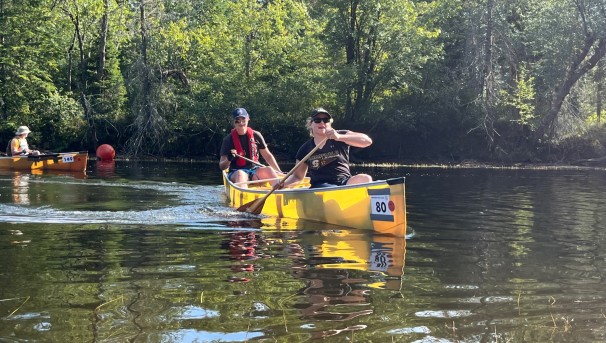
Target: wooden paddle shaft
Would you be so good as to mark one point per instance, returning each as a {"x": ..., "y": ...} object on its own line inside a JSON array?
[
  {"x": 256, "y": 205},
  {"x": 251, "y": 161},
  {"x": 257, "y": 181}
]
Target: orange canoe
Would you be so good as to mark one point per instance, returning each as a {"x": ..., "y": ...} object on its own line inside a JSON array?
[{"x": 66, "y": 161}]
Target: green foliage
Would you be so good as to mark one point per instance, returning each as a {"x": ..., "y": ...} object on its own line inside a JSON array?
[
  {"x": 380, "y": 56},
  {"x": 28, "y": 56},
  {"x": 59, "y": 125},
  {"x": 594, "y": 121},
  {"x": 522, "y": 98},
  {"x": 168, "y": 84}
]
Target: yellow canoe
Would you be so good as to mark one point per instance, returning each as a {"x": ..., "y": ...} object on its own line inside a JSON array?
[
  {"x": 378, "y": 206},
  {"x": 67, "y": 161}
]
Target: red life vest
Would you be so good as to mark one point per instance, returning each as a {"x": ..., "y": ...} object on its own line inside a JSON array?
[{"x": 252, "y": 146}]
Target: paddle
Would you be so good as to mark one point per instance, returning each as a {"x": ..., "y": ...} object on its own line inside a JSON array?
[
  {"x": 256, "y": 205},
  {"x": 257, "y": 163},
  {"x": 43, "y": 156},
  {"x": 257, "y": 181},
  {"x": 251, "y": 161}
]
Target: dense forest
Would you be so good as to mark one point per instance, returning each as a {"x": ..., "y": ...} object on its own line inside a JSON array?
[{"x": 443, "y": 80}]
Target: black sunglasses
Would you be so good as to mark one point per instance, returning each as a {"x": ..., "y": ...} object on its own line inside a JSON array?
[{"x": 319, "y": 120}]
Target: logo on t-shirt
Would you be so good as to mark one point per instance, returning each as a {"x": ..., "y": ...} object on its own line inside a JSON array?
[{"x": 320, "y": 160}]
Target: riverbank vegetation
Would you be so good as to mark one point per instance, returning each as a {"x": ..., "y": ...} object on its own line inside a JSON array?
[{"x": 443, "y": 80}]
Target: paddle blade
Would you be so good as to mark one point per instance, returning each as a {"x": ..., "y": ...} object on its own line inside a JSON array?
[{"x": 254, "y": 207}]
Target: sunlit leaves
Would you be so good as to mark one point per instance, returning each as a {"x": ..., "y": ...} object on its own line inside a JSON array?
[
  {"x": 522, "y": 98},
  {"x": 381, "y": 46}
]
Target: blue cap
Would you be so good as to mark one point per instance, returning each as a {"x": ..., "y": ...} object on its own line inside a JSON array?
[{"x": 240, "y": 112}]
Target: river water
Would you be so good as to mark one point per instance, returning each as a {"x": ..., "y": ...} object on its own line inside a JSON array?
[{"x": 149, "y": 252}]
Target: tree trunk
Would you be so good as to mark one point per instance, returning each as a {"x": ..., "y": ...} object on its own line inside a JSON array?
[
  {"x": 487, "y": 74},
  {"x": 351, "y": 55},
  {"x": 599, "y": 78},
  {"x": 576, "y": 70},
  {"x": 82, "y": 79},
  {"x": 103, "y": 41},
  {"x": 2, "y": 65}
]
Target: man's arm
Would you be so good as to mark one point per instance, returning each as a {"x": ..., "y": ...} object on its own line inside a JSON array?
[
  {"x": 270, "y": 159},
  {"x": 225, "y": 160}
]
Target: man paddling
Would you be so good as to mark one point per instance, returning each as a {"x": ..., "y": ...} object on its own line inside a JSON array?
[{"x": 248, "y": 143}]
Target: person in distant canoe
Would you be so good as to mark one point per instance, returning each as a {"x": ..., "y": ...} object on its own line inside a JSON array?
[
  {"x": 18, "y": 145},
  {"x": 329, "y": 165},
  {"x": 246, "y": 142}
]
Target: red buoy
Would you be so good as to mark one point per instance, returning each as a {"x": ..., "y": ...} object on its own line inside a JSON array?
[{"x": 105, "y": 152}]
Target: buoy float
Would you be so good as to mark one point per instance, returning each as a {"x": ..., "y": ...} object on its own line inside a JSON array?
[{"x": 105, "y": 152}]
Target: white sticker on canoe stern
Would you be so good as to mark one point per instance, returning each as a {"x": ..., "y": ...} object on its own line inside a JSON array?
[
  {"x": 381, "y": 208},
  {"x": 67, "y": 158}
]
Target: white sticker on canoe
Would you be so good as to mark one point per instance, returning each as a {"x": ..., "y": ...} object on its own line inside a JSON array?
[
  {"x": 381, "y": 208},
  {"x": 380, "y": 204},
  {"x": 67, "y": 158}
]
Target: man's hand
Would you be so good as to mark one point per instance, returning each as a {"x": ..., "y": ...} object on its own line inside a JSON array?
[{"x": 232, "y": 154}]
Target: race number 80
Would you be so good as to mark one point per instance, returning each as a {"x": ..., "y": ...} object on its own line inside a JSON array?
[{"x": 380, "y": 204}]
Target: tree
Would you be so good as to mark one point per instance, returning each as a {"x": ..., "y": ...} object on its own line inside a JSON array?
[
  {"x": 262, "y": 55},
  {"x": 98, "y": 84},
  {"x": 579, "y": 29},
  {"x": 31, "y": 41},
  {"x": 379, "y": 49}
]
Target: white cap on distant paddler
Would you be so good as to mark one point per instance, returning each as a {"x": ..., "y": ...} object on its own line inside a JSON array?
[{"x": 22, "y": 130}]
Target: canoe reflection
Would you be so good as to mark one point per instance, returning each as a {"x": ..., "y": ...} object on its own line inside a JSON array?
[
  {"x": 343, "y": 249},
  {"x": 337, "y": 265},
  {"x": 340, "y": 269}
]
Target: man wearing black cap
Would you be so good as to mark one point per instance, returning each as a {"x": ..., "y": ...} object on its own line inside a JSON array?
[
  {"x": 329, "y": 165},
  {"x": 247, "y": 143}
]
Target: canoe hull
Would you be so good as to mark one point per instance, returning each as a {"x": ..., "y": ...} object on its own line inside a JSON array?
[
  {"x": 379, "y": 206},
  {"x": 69, "y": 161}
]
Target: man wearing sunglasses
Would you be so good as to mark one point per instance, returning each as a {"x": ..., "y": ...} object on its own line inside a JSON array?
[
  {"x": 329, "y": 165},
  {"x": 242, "y": 146}
]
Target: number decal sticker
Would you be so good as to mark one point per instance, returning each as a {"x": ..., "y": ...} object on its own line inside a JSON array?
[
  {"x": 67, "y": 158},
  {"x": 379, "y": 204},
  {"x": 381, "y": 208}
]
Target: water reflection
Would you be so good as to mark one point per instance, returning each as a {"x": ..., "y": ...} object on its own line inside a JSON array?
[
  {"x": 340, "y": 269},
  {"x": 21, "y": 188},
  {"x": 242, "y": 248},
  {"x": 105, "y": 169},
  {"x": 148, "y": 257}
]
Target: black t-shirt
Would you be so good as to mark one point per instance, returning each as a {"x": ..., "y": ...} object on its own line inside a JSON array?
[
  {"x": 329, "y": 164},
  {"x": 228, "y": 144}
]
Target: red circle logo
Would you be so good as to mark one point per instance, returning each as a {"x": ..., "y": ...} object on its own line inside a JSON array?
[{"x": 391, "y": 206}]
